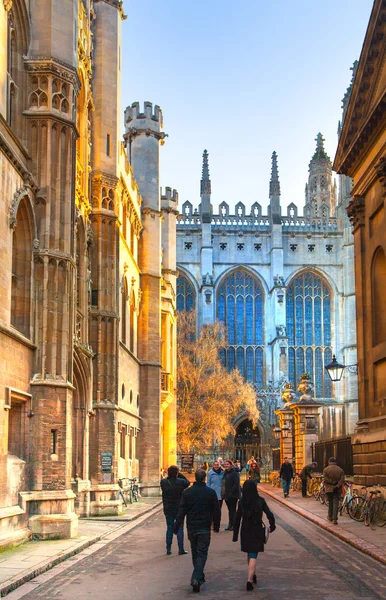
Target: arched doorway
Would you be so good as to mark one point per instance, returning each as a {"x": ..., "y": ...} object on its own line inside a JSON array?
[{"x": 247, "y": 441}]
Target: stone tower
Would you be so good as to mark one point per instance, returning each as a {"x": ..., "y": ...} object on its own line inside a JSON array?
[
  {"x": 143, "y": 138},
  {"x": 104, "y": 329},
  {"x": 320, "y": 189}
]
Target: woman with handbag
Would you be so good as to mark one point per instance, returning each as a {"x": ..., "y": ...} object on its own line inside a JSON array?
[{"x": 253, "y": 531}]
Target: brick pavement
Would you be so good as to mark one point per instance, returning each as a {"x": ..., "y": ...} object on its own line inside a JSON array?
[
  {"x": 23, "y": 563},
  {"x": 367, "y": 540}
]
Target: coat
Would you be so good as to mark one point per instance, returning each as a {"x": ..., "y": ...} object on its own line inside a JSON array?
[
  {"x": 172, "y": 488},
  {"x": 306, "y": 472},
  {"x": 286, "y": 471},
  {"x": 333, "y": 478},
  {"x": 201, "y": 507},
  {"x": 214, "y": 481},
  {"x": 252, "y": 532},
  {"x": 230, "y": 487}
]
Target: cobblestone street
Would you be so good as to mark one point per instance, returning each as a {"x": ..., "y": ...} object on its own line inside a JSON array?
[{"x": 301, "y": 561}]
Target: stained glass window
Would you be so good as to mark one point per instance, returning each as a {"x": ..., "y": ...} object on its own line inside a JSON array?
[
  {"x": 185, "y": 294},
  {"x": 308, "y": 307},
  {"x": 240, "y": 307}
]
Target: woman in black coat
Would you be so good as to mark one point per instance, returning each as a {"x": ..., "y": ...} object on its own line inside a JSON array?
[{"x": 250, "y": 515}]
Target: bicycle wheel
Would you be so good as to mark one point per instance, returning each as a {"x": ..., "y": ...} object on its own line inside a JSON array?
[
  {"x": 382, "y": 515},
  {"x": 356, "y": 508},
  {"x": 121, "y": 494},
  {"x": 369, "y": 514},
  {"x": 322, "y": 495},
  {"x": 315, "y": 489}
]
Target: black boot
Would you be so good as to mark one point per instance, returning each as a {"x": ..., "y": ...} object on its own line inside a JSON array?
[{"x": 182, "y": 551}]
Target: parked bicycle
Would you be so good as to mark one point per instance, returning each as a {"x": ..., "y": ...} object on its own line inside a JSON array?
[
  {"x": 349, "y": 492},
  {"x": 367, "y": 508},
  {"x": 129, "y": 490}
]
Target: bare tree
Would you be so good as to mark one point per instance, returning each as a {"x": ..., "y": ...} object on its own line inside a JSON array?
[{"x": 209, "y": 398}]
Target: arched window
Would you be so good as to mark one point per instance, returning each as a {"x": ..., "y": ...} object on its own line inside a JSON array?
[
  {"x": 124, "y": 310},
  {"x": 309, "y": 331},
  {"x": 22, "y": 270},
  {"x": 378, "y": 282},
  {"x": 17, "y": 48},
  {"x": 240, "y": 308},
  {"x": 185, "y": 294}
]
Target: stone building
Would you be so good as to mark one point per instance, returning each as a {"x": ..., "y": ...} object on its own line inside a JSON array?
[
  {"x": 87, "y": 273},
  {"x": 283, "y": 284},
  {"x": 361, "y": 155}
]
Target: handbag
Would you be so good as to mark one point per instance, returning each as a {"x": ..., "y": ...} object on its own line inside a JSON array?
[{"x": 266, "y": 532}]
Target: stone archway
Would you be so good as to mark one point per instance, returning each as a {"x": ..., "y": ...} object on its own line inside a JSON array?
[{"x": 247, "y": 441}]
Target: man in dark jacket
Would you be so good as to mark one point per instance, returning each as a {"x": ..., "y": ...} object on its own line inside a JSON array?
[
  {"x": 200, "y": 505},
  {"x": 286, "y": 475},
  {"x": 230, "y": 491},
  {"x": 333, "y": 481},
  {"x": 172, "y": 487},
  {"x": 305, "y": 475}
]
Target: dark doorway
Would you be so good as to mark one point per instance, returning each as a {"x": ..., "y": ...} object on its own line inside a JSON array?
[{"x": 247, "y": 441}]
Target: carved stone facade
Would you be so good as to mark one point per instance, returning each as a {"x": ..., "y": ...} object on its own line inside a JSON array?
[
  {"x": 80, "y": 383},
  {"x": 361, "y": 155}
]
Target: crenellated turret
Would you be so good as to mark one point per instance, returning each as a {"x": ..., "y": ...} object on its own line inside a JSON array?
[{"x": 143, "y": 137}]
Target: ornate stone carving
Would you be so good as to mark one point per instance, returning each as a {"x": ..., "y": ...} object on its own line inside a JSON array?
[
  {"x": 380, "y": 168},
  {"x": 18, "y": 195},
  {"x": 132, "y": 132},
  {"x": 278, "y": 281},
  {"x": 207, "y": 279},
  {"x": 281, "y": 331},
  {"x": 356, "y": 211},
  {"x": 305, "y": 387},
  {"x": 288, "y": 395}
]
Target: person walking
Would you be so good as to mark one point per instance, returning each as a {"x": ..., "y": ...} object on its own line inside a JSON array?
[
  {"x": 305, "y": 475},
  {"x": 214, "y": 481},
  {"x": 172, "y": 487},
  {"x": 254, "y": 472},
  {"x": 230, "y": 491},
  {"x": 252, "y": 536},
  {"x": 286, "y": 475},
  {"x": 333, "y": 481},
  {"x": 200, "y": 505}
]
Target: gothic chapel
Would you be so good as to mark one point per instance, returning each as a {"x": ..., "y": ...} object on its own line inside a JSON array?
[
  {"x": 87, "y": 273},
  {"x": 283, "y": 284}
]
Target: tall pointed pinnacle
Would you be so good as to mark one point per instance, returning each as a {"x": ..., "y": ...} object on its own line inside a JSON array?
[
  {"x": 274, "y": 184},
  {"x": 206, "y": 187},
  {"x": 320, "y": 153}
]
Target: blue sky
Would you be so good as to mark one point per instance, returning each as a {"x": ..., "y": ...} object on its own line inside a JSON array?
[{"x": 242, "y": 78}]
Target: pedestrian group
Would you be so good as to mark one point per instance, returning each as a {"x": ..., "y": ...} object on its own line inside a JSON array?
[{"x": 202, "y": 503}]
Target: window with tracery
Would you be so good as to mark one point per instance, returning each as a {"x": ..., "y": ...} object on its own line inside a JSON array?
[
  {"x": 185, "y": 294},
  {"x": 309, "y": 331},
  {"x": 240, "y": 308},
  {"x": 22, "y": 270}
]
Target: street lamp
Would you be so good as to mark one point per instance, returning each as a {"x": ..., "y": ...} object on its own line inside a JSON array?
[
  {"x": 335, "y": 369},
  {"x": 276, "y": 432},
  {"x": 279, "y": 432}
]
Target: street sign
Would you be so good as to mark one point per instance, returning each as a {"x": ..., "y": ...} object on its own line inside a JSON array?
[
  {"x": 106, "y": 462},
  {"x": 187, "y": 462}
]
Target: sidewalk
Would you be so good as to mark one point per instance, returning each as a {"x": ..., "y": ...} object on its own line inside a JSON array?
[
  {"x": 365, "y": 539},
  {"x": 21, "y": 564}
]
